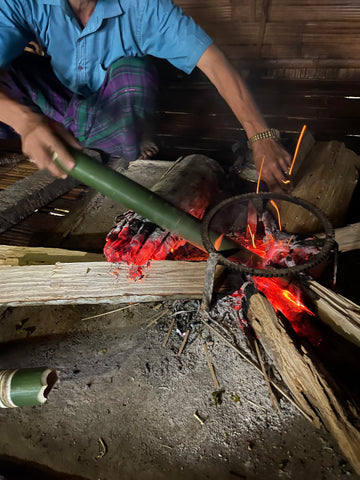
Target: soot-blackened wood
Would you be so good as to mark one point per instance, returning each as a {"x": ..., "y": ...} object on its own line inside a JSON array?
[
  {"x": 21, "y": 199},
  {"x": 311, "y": 385}
]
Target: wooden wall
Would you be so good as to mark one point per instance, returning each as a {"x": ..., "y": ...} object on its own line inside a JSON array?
[
  {"x": 287, "y": 38},
  {"x": 300, "y": 58}
]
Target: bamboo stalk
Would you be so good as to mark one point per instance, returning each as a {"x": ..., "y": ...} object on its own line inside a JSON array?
[{"x": 27, "y": 386}]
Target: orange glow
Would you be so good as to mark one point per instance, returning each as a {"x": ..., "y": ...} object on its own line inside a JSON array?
[
  {"x": 296, "y": 301},
  {"x": 217, "y": 243},
  {"x": 260, "y": 173},
  {"x": 297, "y": 148},
  {"x": 252, "y": 236},
  {"x": 278, "y": 213}
]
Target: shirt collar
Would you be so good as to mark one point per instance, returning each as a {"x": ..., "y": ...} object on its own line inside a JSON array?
[{"x": 108, "y": 8}]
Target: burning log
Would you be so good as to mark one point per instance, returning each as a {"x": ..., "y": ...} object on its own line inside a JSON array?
[
  {"x": 190, "y": 184},
  {"x": 313, "y": 388}
]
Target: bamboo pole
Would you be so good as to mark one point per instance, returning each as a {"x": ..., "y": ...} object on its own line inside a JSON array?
[{"x": 27, "y": 386}]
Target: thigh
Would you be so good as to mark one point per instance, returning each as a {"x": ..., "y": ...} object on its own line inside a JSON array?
[
  {"x": 31, "y": 81},
  {"x": 116, "y": 115}
]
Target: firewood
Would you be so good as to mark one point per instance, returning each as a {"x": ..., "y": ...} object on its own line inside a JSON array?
[
  {"x": 311, "y": 385},
  {"x": 327, "y": 179},
  {"x": 339, "y": 313}
]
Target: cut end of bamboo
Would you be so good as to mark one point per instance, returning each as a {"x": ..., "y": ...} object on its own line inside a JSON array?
[{"x": 26, "y": 387}]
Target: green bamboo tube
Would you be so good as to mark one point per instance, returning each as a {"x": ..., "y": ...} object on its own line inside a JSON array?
[
  {"x": 134, "y": 196},
  {"x": 27, "y": 386}
]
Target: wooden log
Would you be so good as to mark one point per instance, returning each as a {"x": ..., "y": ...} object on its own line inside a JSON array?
[
  {"x": 311, "y": 385},
  {"x": 336, "y": 311},
  {"x": 327, "y": 179},
  {"x": 348, "y": 238}
]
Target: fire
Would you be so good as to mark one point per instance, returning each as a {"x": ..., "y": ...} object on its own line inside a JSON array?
[
  {"x": 217, "y": 243},
  {"x": 136, "y": 241}
]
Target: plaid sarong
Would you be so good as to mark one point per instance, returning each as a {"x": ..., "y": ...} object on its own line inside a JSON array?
[{"x": 111, "y": 119}]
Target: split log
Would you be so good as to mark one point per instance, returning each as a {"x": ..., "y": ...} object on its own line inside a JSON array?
[
  {"x": 311, "y": 385},
  {"x": 336, "y": 311},
  {"x": 348, "y": 238},
  {"x": 327, "y": 179}
]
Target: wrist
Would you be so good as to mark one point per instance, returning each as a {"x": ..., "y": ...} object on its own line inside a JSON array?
[
  {"x": 25, "y": 121},
  {"x": 271, "y": 133}
]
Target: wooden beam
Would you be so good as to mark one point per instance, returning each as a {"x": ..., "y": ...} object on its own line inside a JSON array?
[{"x": 21, "y": 199}]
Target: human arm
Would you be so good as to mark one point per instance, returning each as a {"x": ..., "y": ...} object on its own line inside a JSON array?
[
  {"x": 40, "y": 136},
  {"x": 232, "y": 88}
]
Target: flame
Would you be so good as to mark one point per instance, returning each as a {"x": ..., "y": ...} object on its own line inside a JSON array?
[
  {"x": 252, "y": 236},
  {"x": 278, "y": 213},
  {"x": 302, "y": 133},
  {"x": 217, "y": 243},
  {"x": 260, "y": 173}
]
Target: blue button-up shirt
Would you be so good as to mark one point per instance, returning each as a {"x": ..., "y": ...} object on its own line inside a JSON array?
[{"x": 116, "y": 29}]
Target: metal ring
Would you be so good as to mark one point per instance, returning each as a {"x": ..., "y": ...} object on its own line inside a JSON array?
[{"x": 328, "y": 245}]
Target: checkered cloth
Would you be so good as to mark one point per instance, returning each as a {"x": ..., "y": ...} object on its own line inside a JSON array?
[{"x": 111, "y": 119}]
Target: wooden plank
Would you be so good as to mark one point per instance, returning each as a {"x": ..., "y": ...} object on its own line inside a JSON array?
[
  {"x": 98, "y": 282},
  {"x": 24, "y": 197}
]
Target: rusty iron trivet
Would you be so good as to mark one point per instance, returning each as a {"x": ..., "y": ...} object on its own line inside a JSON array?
[{"x": 260, "y": 201}]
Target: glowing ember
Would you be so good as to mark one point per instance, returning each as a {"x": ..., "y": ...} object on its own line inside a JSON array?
[{"x": 136, "y": 241}]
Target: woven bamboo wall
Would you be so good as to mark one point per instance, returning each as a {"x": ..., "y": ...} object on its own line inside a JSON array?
[{"x": 302, "y": 39}]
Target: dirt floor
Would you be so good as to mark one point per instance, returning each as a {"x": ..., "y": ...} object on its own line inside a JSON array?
[{"x": 127, "y": 407}]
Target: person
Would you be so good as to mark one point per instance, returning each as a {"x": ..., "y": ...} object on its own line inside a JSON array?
[{"x": 97, "y": 88}]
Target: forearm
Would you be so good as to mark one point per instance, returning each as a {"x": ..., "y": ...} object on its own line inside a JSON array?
[
  {"x": 15, "y": 114},
  {"x": 233, "y": 89},
  {"x": 41, "y": 137}
]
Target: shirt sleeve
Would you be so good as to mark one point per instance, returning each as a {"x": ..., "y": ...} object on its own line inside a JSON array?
[
  {"x": 166, "y": 32},
  {"x": 14, "y": 31}
]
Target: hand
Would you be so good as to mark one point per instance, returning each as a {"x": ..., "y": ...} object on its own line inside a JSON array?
[
  {"x": 276, "y": 164},
  {"x": 41, "y": 137}
]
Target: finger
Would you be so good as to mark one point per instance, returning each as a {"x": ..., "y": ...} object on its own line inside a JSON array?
[
  {"x": 59, "y": 154},
  {"x": 43, "y": 161},
  {"x": 69, "y": 138},
  {"x": 284, "y": 163}
]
